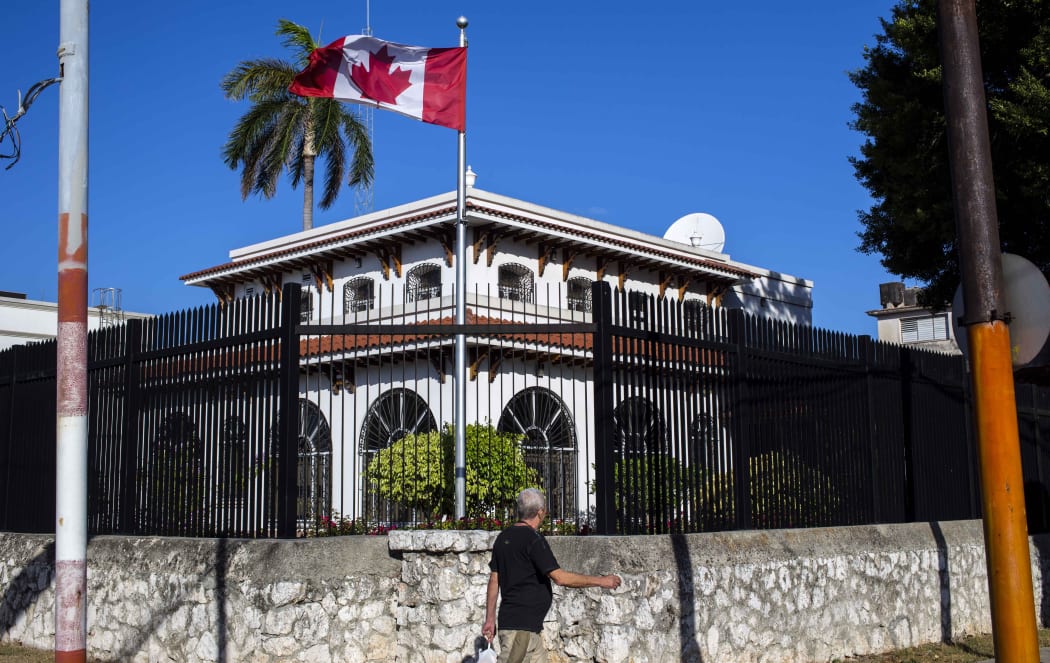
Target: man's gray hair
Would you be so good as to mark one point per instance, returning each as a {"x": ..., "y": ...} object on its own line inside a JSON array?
[{"x": 530, "y": 502}]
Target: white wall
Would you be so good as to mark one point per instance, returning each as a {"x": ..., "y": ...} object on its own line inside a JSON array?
[{"x": 29, "y": 321}]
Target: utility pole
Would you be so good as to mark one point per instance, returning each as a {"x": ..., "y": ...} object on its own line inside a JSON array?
[
  {"x": 71, "y": 369},
  {"x": 991, "y": 370}
]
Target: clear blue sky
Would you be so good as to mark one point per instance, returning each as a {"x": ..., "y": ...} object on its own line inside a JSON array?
[{"x": 631, "y": 113}]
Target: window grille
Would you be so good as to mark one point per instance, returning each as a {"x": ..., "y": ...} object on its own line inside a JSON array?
[
  {"x": 306, "y": 306},
  {"x": 359, "y": 295},
  {"x": 579, "y": 294},
  {"x": 515, "y": 283},
  {"x": 549, "y": 443},
  {"x": 424, "y": 282}
]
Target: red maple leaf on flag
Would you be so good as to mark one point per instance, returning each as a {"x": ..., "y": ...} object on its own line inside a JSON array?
[{"x": 378, "y": 82}]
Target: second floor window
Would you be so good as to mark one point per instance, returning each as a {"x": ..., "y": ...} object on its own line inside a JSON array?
[
  {"x": 515, "y": 283},
  {"x": 424, "y": 282},
  {"x": 358, "y": 295},
  {"x": 933, "y": 328},
  {"x": 306, "y": 305},
  {"x": 578, "y": 294}
]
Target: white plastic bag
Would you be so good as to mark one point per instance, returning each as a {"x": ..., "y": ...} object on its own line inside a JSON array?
[{"x": 487, "y": 655}]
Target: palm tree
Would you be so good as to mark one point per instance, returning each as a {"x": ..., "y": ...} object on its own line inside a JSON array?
[{"x": 282, "y": 131}]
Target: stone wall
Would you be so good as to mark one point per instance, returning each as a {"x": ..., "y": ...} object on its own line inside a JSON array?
[{"x": 790, "y": 595}]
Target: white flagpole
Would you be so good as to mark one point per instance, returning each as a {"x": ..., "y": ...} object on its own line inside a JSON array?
[{"x": 460, "y": 414}]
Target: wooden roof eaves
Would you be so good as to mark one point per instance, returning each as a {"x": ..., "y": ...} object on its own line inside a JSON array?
[
  {"x": 637, "y": 254},
  {"x": 353, "y": 243}
]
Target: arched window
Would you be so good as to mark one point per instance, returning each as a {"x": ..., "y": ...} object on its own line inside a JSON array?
[
  {"x": 391, "y": 417},
  {"x": 639, "y": 426},
  {"x": 515, "y": 283},
  {"x": 395, "y": 414},
  {"x": 314, "y": 464},
  {"x": 578, "y": 294},
  {"x": 424, "y": 282},
  {"x": 175, "y": 495},
  {"x": 549, "y": 444},
  {"x": 358, "y": 295}
]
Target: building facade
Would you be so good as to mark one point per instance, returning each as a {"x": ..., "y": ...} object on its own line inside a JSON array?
[{"x": 394, "y": 271}]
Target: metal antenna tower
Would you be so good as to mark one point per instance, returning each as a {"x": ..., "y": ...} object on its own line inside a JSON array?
[
  {"x": 364, "y": 194},
  {"x": 107, "y": 301}
]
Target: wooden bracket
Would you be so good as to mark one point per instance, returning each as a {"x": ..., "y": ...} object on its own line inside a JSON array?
[
  {"x": 544, "y": 257},
  {"x": 481, "y": 237},
  {"x": 665, "y": 280},
  {"x": 567, "y": 257},
  {"x": 625, "y": 269},
  {"x": 474, "y": 366},
  {"x": 448, "y": 242}
]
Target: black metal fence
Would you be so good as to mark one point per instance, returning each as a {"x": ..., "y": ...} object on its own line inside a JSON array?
[{"x": 636, "y": 413}]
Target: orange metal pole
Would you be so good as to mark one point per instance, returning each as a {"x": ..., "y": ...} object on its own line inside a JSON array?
[{"x": 1002, "y": 495}]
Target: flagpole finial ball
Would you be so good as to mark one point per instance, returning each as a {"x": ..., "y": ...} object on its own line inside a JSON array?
[{"x": 461, "y": 22}]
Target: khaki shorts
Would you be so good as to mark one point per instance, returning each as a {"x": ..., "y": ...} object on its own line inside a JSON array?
[{"x": 521, "y": 647}]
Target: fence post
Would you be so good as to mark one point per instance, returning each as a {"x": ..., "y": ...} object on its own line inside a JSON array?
[
  {"x": 288, "y": 413},
  {"x": 906, "y": 376},
  {"x": 741, "y": 430},
  {"x": 129, "y": 442},
  {"x": 867, "y": 353},
  {"x": 604, "y": 483},
  {"x": 5, "y": 450}
]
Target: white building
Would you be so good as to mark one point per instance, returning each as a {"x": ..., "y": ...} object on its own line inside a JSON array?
[
  {"x": 902, "y": 320},
  {"x": 528, "y": 264},
  {"x": 28, "y": 321}
]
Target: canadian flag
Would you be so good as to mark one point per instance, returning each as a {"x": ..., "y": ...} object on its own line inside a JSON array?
[{"x": 429, "y": 84}]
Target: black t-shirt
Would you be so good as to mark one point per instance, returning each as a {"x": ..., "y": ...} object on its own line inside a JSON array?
[{"x": 523, "y": 561}]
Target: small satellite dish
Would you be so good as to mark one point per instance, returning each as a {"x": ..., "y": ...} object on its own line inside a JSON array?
[
  {"x": 698, "y": 230},
  {"x": 1027, "y": 300}
]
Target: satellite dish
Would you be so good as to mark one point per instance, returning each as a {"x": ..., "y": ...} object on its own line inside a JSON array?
[
  {"x": 1027, "y": 300},
  {"x": 698, "y": 230}
]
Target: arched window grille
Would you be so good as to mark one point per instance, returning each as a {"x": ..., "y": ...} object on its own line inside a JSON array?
[
  {"x": 424, "y": 282},
  {"x": 359, "y": 295},
  {"x": 515, "y": 283},
  {"x": 578, "y": 294},
  {"x": 639, "y": 427},
  {"x": 175, "y": 495},
  {"x": 314, "y": 464},
  {"x": 391, "y": 417},
  {"x": 549, "y": 444},
  {"x": 306, "y": 305}
]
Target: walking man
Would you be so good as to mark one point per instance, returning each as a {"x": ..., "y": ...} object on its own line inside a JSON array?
[{"x": 523, "y": 567}]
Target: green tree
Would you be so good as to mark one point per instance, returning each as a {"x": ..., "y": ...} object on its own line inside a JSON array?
[
  {"x": 904, "y": 161},
  {"x": 282, "y": 131},
  {"x": 417, "y": 470}
]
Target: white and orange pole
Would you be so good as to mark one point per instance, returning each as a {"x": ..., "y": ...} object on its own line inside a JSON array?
[
  {"x": 71, "y": 369},
  {"x": 991, "y": 373}
]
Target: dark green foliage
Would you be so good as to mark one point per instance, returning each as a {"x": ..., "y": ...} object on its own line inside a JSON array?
[
  {"x": 417, "y": 471},
  {"x": 785, "y": 492},
  {"x": 649, "y": 491},
  {"x": 904, "y": 162}
]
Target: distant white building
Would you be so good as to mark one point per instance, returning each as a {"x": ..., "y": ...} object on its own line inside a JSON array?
[
  {"x": 526, "y": 264},
  {"x": 902, "y": 320},
  {"x": 28, "y": 321}
]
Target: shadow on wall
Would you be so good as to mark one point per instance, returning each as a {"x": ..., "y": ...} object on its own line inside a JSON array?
[
  {"x": 774, "y": 295},
  {"x": 22, "y": 591},
  {"x": 689, "y": 648},
  {"x": 220, "y": 568},
  {"x": 944, "y": 578}
]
